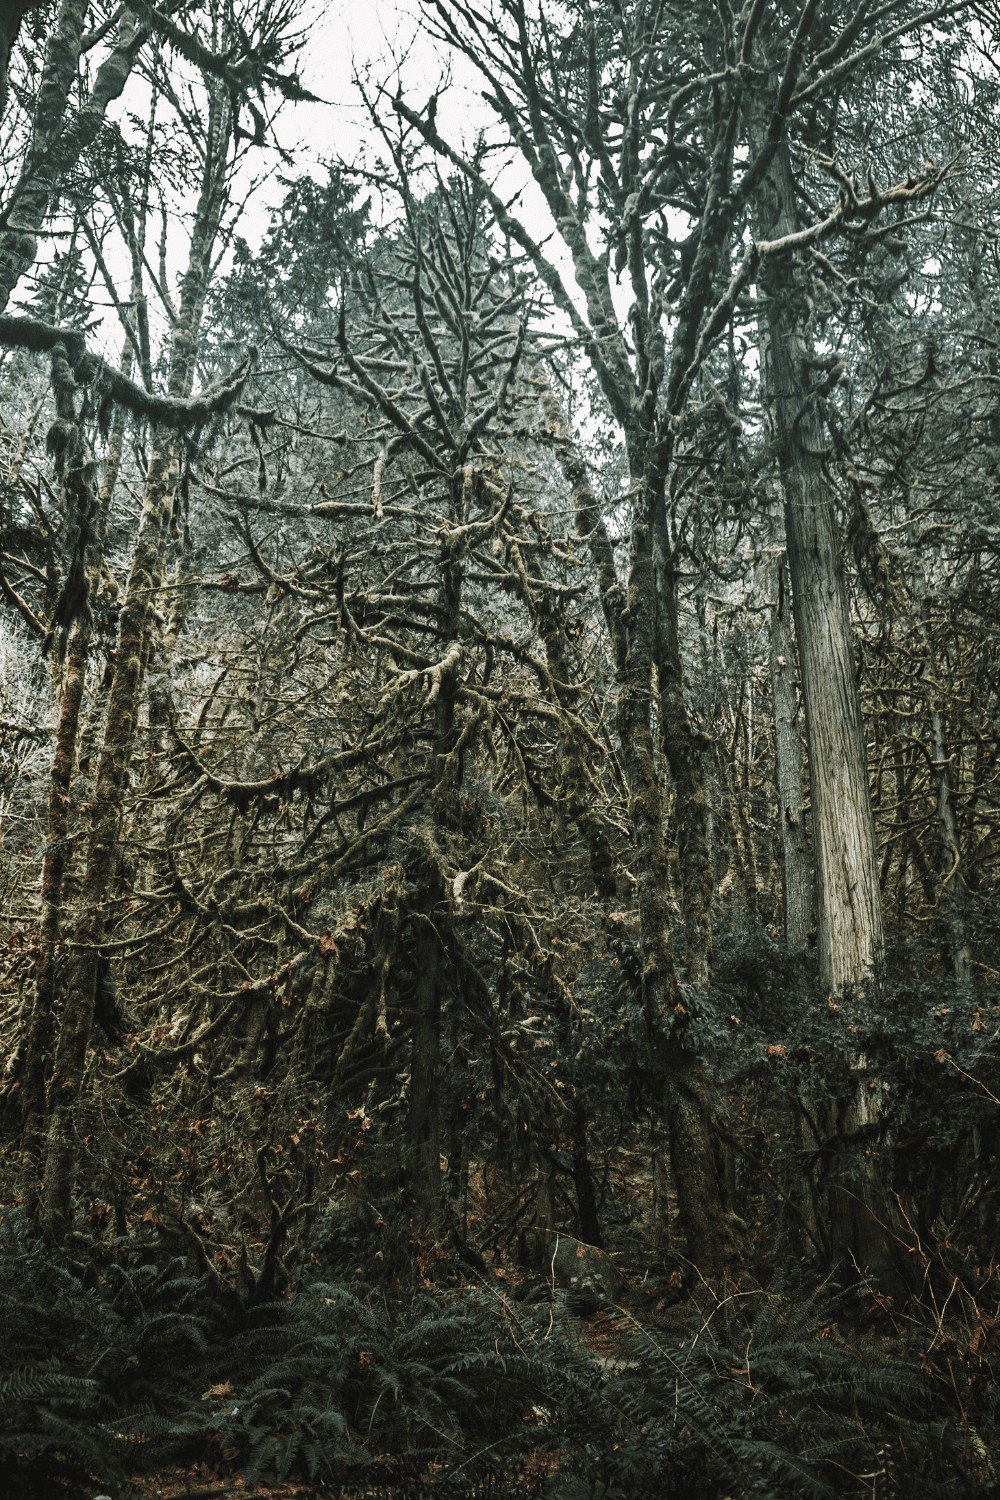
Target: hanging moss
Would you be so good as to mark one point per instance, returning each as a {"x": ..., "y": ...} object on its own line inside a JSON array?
[{"x": 110, "y": 387}]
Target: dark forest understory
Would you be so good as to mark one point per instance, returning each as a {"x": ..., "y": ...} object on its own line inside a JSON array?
[{"x": 499, "y": 710}]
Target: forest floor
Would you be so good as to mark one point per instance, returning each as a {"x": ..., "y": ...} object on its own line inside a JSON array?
[
  {"x": 199, "y": 1483},
  {"x": 493, "y": 1386}
]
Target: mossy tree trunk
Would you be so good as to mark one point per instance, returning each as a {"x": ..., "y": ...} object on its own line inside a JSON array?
[
  {"x": 58, "y": 137},
  {"x": 686, "y": 1104},
  {"x": 638, "y": 653},
  {"x": 62, "y": 813},
  {"x": 136, "y": 634}
]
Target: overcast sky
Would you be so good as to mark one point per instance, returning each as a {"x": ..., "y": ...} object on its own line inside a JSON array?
[
  {"x": 368, "y": 37},
  {"x": 387, "y": 40}
]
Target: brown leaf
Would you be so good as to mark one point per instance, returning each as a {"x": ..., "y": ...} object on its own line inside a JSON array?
[{"x": 218, "y": 1392}]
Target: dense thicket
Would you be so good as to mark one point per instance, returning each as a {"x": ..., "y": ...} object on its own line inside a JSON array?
[{"x": 498, "y": 753}]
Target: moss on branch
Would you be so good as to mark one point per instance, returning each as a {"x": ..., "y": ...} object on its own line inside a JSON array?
[{"x": 112, "y": 386}]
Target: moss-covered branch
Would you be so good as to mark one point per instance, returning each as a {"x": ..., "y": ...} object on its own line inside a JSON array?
[{"x": 113, "y": 386}]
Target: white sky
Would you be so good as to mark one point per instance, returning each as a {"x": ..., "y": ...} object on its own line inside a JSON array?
[
  {"x": 387, "y": 43},
  {"x": 344, "y": 38},
  {"x": 369, "y": 37}
]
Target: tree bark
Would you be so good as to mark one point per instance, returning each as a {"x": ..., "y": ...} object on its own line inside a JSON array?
[
  {"x": 684, "y": 748},
  {"x": 796, "y": 856},
  {"x": 57, "y": 144},
  {"x": 124, "y": 700},
  {"x": 631, "y": 622},
  {"x": 848, "y": 906},
  {"x": 56, "y": 859},
  {"x": 952, "y": 879},
  {"x": 685, "y": 1090},
  {"x": 849, "y": 913}
]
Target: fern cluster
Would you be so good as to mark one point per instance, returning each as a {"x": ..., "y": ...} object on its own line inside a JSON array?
[
  {"x": 94, "y": 1370},
  {"x": 280, "y": 1402},
  {"x": 129, "y": 1367},
  {"x": 767, "y": 1399},
  {"x": 318, "y": 1384}
]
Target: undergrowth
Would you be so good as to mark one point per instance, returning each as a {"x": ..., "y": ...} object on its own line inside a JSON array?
[
  {"x": 769, "y": 1397},
  {"x": 117, "y": 1370}
]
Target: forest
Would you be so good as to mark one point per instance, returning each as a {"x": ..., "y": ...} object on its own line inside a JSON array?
[{"x": 499, "y": 734}]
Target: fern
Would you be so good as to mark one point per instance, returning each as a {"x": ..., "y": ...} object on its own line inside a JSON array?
[
  {"x": 763, "y": 1405},
  {"x": 289, "y": 1371},
  {"x": 99, "y": 1375},
  {"x": 52, "y": 1431},
  {"x": 762, "y": 1397}
]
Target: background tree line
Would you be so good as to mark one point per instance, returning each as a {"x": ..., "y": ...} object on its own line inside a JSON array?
[{"x": 499, "y": 738}]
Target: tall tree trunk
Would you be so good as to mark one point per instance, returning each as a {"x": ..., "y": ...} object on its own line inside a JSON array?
[
  {"x": 55, "y": 862},
  {"x": 124, "y": 700},
  {"x": 849, "y": 913},
  {"x": 953, "y": 890},
  {"x": 686, "y": 1106},
  {"x": 684, "y": 748},
  {"x": 848, "y": 906},
  {"x": 796, "y": 857},
  {"x": 631, "y": 622}
]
